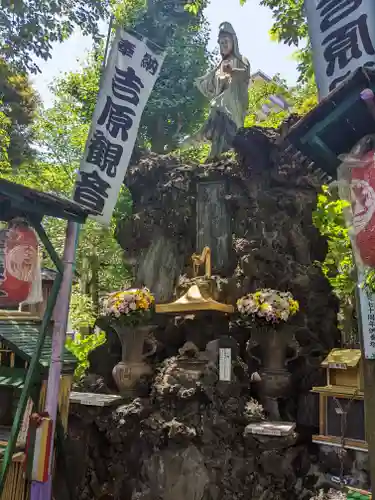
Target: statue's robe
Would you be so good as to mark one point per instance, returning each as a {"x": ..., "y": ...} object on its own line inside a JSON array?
[{"x": 228, "y": 94}]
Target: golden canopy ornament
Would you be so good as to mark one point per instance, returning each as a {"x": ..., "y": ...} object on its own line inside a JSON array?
[{"x": 196, "y": 298}]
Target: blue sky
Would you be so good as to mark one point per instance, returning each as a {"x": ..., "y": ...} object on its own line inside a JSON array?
[{"x": 251, "y": 22}]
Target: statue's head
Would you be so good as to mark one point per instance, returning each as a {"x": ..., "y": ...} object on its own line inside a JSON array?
[
  {"x": 227, "y": 40},
  {"x": 225, "y": 44}
]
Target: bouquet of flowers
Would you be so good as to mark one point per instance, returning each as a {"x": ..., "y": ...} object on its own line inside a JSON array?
[
  {"x": 269, "y": 305},
  {"x": 130, "y": 307}
]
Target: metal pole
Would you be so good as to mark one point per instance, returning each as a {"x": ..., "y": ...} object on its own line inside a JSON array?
[
  {"x": 43, "y": 491},
  {"x": 368, "y": 381}
]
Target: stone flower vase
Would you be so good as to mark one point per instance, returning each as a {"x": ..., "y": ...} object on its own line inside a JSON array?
[
  {"x": 132, "y": 366},
  {"x": 274, "y": 342}
]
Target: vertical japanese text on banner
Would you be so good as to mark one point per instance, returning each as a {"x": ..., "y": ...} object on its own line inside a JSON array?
[
  {"x": 342, "y": 34},
  {"x": 129, "y": 77}
]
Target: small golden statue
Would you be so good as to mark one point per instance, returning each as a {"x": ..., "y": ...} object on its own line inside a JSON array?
[
  {"x": 198, "y": 260},
  {"x": 196, "y": 298}
]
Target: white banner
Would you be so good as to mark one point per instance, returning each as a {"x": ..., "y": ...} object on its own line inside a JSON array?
[
  {"x": 342, "y": 34},
  {"x": 367, "y": 305},
  {"x": 130, "y": 74}
]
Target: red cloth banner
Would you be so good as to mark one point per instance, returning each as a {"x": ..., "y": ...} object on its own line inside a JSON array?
[
  {"x": 362, "y": 187},
  {"x": 18, "y": 263}
]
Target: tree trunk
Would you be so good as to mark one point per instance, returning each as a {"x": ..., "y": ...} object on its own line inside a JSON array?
[{"x": 94, "y": 284}]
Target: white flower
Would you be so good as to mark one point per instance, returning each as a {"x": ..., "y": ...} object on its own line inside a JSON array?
[{"x": 284, "y": 315}]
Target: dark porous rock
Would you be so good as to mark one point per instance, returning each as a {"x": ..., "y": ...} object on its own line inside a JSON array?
[{"x": 186, "y": 437}]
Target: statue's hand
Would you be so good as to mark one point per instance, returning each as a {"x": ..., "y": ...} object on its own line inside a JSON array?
[{"x": 227, "y": 68}]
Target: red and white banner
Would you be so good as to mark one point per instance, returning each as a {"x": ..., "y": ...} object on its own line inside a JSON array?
[
  {"x": 362, "y": 187},
  {"x": 20, "y": 274},
  {"x": 357, "y": 186}
]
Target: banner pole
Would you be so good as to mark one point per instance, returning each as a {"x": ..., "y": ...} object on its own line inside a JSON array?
[
  {"x": 39, "y": 490},
  {"x": 106, "y": 48}
]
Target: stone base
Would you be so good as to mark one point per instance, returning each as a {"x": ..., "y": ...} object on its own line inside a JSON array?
[
  {"x": 267, "y": 436},
  {"x": 268, "y": 428}
]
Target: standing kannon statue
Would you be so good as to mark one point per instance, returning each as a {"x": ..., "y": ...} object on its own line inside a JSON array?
[{"x": 227, "y": 87}]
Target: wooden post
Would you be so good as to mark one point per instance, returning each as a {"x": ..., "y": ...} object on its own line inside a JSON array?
[
  {"x": 368, "y": 382},
  {"x": 369, "y": 378}
]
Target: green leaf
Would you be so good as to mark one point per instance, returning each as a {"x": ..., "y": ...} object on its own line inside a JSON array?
[
  {"x": 81, "y": 347},
  {"x": 338, "y": 264}
]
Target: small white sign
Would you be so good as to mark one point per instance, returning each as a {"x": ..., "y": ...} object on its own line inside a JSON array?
[
  {"x": 337, "y": 366},
  {"x": 225, "y": 364},
  {"x": 367, "y": 303}
]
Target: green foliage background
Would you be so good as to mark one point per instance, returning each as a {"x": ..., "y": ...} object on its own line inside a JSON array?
[{"x": 338, "y": 266}]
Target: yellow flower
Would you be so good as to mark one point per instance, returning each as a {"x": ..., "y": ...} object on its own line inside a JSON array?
[
  {"x": 142, "y": 304},
  {"x": 150, "y": 298},
  {"x": 293, "y": 306}
]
